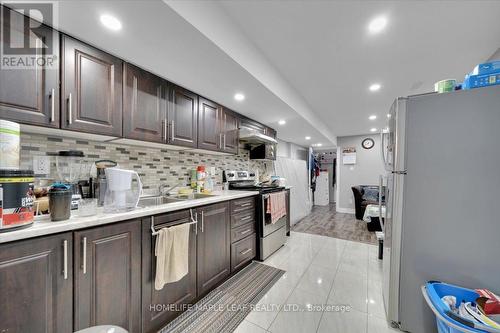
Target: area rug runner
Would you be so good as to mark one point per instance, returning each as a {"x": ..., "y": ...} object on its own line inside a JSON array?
[{"x": 225, "y": 307}]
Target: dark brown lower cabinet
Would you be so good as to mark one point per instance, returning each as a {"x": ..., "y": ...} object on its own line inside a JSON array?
[
  {"x": 161, "y": 306},
  {"x": 107, "y": 283},
  {"x": 36, "y": 285},
  {"x": 214, "y": 246}
]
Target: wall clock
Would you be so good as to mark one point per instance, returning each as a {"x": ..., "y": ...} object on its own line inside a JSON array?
[{"x": 368, "y": 143}]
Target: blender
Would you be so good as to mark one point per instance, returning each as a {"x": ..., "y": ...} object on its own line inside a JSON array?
[{"x": 71, "y": 168}]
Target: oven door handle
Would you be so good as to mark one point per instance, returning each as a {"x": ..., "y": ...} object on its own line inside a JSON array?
[{"x": 264, "y": 209}]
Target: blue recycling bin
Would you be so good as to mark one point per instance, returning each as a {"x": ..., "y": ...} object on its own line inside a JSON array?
[{"x": 446, "y": 320}]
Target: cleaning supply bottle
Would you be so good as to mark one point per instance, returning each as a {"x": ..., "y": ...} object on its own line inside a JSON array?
[{"x": 200, "y": 178}]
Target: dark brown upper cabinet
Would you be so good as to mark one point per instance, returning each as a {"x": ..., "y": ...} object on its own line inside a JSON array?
[
  {"x": 144, "y": 105},
  {"x": 91, "y": 89},
  {"x": 214, "y": 246},
  {"x": 31, "y": 95},
  {"x": 209, "y": 132},
  {"x": 270, "y": 132},
  {"x": 183, "y": 118},
  {"x": 249, "y": 123},
  {"x": 177, "y": 293},
  {"x": 229, "y": 126},
  {"x": 36, "y": 285},
  {"x": 108, "y": 276}
]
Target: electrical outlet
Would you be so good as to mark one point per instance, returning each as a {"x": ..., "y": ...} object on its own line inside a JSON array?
[
  {"x": 212, "y": 171},
  {"x": 350, "y": 201},
  {"x": 41, "y": 165}
]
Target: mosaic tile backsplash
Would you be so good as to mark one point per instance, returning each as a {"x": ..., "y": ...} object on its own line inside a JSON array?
[{"x": 154, "y": 165}]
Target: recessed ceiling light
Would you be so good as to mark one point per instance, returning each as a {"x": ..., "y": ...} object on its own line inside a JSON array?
[
  {"x": 239, "y": 97},
  {"x": 308, "y": 138},
  {"x": 375, "y": 87},
  {"x": 111, "y": 22},
  {"x": 388, "y": 115},
  {"x": 373, "y": 129},
  {"x": 372, "y": 117},
  {"x": 282, "y": 122},
  {"x": 317, "y": 144},
  {"x": 377, "y": 24}
]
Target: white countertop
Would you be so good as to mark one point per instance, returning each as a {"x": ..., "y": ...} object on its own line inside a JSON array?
[{"x": 46, "y": 227}]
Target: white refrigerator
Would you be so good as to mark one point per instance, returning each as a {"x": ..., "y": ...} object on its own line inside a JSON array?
[{"x": 442, "y": 158}]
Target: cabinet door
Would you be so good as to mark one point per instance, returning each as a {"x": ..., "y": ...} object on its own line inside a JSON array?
[
  {"x": 91, "y": 89},
  {"x": 271, "y": 132},
  {"x": 230, "y": 138},
  {"x": 144, "y": 105},
  {"x": 209, "y": 132},
  {"x": 178, "y": 294},
  {"x": 108, "y": 276},
  {"x": 214, "y": 246},
  {"x": 31, "y": 95},
  {"x": 35, "y": 289},
  {"x": 248, "y": 123},
  {"x": 183, "y": 118}
]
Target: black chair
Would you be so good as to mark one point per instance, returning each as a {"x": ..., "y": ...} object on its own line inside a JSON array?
[{"x": 365, "y": 195}]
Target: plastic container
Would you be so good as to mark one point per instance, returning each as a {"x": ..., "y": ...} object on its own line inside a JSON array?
[
  {"x": 10, "y": 134},
  {"x": 16, "y": 198},
  {"x": 445, "y": 85},
  {"x": 447, "y": 321},
  {"x": 60, "y": 202},
  {"x": 87, "y": 207}
]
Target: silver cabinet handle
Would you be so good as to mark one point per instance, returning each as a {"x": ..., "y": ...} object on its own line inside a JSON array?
[
  {"x": 53, "y": 105},
  {"x": 246, "y": 231},
  {"x": 70, "y": 109},
  {"x": 164, "y": 130},
  {"x": 65, "y": 259},
  {"x": 84, "y": 260},
  {"x": 194, "y": 221},
  {"x": 246, "y": 251},
  {"x": 202, "y": 221},
  {"x": 220, "y": 140},
  {"x": 173, "y": 130},
  {"x": 224, "y": 146},
  {"x": 246, "y": 218},
  {"x": 245, "y": 204}
]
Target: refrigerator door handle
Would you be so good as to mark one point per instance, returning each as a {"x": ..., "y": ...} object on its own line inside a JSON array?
[{"x": 382, "y": 148}]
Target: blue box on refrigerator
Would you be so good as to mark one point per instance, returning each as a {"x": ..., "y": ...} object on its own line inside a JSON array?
[
  {"x": 477, "y": 81},
  {"x": 492, "y": 67}
]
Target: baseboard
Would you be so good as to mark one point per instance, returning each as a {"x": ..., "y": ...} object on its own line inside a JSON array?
[{"x": 345, "y": 210}]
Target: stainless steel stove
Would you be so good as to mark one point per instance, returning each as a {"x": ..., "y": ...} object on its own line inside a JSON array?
[{"x": 271, "y": 235}]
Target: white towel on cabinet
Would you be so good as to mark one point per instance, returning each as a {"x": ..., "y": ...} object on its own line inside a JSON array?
[{"x": 172, "y": 254}]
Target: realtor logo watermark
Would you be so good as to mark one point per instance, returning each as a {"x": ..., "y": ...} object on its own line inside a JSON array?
[{"x": 27, "y": 42}]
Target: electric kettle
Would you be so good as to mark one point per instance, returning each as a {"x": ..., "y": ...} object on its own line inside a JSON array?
[{"x": 120, "y": 195}]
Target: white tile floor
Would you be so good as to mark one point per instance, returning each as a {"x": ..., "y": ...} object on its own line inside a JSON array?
[{"x": 322, "y": 270}]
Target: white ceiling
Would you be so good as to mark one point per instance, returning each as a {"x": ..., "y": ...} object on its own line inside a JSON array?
[
  {"x": 309, "y": 62},
  {"x": 324, "y": 49}
]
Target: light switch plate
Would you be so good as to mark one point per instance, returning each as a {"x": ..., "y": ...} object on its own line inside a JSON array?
[
  {"x": 41, "y": 165},
  {"x": 212, "y": 171}
]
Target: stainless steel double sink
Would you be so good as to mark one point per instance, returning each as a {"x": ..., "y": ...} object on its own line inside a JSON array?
[{"x": 161, "y": 199}]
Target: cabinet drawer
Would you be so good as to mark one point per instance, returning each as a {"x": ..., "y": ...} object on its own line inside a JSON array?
[
  {"x": 242, "y": 204},
  {"x": 242, "y": 231},
  {"x": 243, "y": 251},
  {"x": 243, "y": 218}
]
